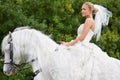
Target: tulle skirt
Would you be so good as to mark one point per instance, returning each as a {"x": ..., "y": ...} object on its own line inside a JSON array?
[{"x": 83, "y": 61}]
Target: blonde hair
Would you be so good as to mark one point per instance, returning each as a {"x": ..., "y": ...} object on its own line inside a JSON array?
[{"x": 91, "y": 7}]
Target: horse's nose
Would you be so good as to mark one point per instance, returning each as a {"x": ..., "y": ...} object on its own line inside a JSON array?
[{"x": 7, "y": 73}]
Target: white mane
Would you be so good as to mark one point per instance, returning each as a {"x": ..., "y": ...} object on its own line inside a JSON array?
[{"x": 25, "y": 34}]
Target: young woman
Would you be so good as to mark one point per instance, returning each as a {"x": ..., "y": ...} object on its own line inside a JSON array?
[
  {"x": 89, "y": 26},
  {"x": 88, "y": 61}
]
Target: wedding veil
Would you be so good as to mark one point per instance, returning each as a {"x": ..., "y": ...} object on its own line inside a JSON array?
[{"x": 101, "y": 19}]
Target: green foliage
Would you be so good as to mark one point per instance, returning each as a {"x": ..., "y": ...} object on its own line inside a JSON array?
[
  {"x": 110, "y": 43},
  {"x": 59, "y": 19}
]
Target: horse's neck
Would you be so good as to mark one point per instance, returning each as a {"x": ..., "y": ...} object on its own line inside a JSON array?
[
  {"x": 44, "y": 51},
  {"x": 46, "y": 47}
]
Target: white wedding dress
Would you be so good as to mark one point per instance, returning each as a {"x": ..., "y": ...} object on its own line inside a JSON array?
[{"x": 84, "y": 61}]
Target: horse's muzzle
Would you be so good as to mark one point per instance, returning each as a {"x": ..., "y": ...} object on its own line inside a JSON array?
[{"x": 10, "y": 70}]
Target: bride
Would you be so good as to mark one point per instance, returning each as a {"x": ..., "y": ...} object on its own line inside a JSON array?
[{"x": 88, "y": 61}]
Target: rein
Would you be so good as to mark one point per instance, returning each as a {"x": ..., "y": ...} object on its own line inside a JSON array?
[{"x": 35, "y": 73}]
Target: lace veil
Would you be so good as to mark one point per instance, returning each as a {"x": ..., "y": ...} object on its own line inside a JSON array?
[{"x": 101, "y": 19}]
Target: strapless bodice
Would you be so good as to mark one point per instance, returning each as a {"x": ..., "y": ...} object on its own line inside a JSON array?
[{"x": 88, "y": 36}]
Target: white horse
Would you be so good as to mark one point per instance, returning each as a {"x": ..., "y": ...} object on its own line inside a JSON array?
[
  {"x": 26, "y": 45},
  {"x": 51, "y": 61}
]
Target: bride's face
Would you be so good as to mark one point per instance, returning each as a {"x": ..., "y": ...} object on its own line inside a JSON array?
[{"x": 85, "y": 10}]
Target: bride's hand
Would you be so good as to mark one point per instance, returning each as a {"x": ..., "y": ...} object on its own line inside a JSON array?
[{"x": 65, "y": 43}]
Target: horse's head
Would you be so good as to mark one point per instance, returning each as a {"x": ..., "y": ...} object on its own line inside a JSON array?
[
  {"x": 26, "y": 46},
  {"x": 7, "y": 50},
  {"x": 18, "y": 50}
]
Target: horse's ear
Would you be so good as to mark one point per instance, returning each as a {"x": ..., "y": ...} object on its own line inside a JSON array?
[
  {"x": 9, "y": 33},
  {"x": 10, "y": 37}
]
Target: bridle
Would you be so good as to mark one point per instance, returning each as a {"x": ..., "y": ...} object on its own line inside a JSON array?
[
  {"x": 19, "y": 67},
  {"x": 10, "y": 50}
]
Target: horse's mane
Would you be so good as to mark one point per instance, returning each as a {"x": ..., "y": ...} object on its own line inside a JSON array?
[
  {"x": 22, "y": 28},
  {"x": 25, "y": 34}
]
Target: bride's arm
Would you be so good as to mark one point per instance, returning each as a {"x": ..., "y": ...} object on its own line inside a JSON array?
[{"x": 81, "y": 37}]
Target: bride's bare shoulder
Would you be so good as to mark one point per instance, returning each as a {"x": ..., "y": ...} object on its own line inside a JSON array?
[{"x": 89, "y": 20}]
